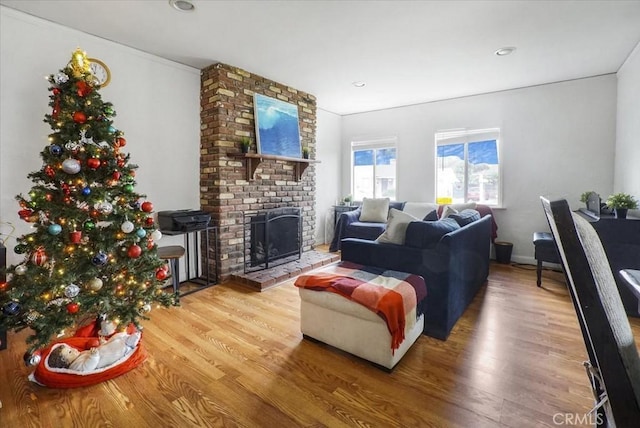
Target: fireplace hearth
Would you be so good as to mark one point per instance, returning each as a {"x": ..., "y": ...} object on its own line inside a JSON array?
[{"x": 272, "y": 237}]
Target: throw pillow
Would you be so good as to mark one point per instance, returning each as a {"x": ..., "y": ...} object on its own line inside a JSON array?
[
  {"x": 447, "y": 211},
  {"x": 465, "y": 217},
  {"x": 374, "y": 210},
  {"x": 423, "y": 234},
  {"x": 396, "y": 227},
  {"x": 419, "y": 209},
  {"x": 432, "y": 216}
]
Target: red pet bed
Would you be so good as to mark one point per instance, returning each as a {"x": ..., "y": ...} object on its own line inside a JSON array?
[{"x": 64, "y": 378}]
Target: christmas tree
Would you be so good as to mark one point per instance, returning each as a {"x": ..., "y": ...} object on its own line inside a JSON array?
[{"x": 92, "y": 252}]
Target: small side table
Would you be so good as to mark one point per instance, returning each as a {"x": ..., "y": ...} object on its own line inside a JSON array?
[{"x": 632, "y": 279}]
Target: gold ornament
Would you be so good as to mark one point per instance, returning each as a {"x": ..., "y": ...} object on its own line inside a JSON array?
[{"x": 79, "y": 63}]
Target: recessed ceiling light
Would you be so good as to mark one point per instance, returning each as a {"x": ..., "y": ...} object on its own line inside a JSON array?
[
  {"x": 182, "y": 5},
  {"x": 359, "y": 84},
  {"x": 505, "y": 51}
]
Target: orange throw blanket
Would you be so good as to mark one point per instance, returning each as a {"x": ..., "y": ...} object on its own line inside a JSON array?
[{"x": 390, "y": 294}]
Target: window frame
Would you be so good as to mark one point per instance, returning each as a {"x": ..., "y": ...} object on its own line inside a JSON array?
[
  {"x": 374, "y": 144},
  {"x": 466, "y": 137}
]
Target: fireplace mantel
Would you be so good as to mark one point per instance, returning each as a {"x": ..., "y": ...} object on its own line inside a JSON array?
[{"x": 254, "y": 159}]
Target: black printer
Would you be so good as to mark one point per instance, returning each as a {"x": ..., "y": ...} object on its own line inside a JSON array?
[{"x": 183, "y": 220}]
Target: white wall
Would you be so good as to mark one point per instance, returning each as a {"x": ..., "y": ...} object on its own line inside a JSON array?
[
  {"x": 328, "y": 176},
  {"x": 157, "y": 104},
  {"x": 627, "y": 161},
  {"x": 557, "y": 140}
]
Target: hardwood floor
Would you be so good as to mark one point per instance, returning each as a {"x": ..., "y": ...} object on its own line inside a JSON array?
[{"x": 233, "y": 357}]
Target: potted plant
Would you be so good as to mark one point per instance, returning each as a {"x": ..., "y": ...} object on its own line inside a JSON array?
[
  {"x": 305, "y": 152},
  {"x": 245, "y": 144},
  {"x": 622, "y": 202},
  {"x": 347, "y": 200}
]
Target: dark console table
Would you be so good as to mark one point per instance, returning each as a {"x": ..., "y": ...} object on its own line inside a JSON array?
[
  {"x": 621, "y": 241},
  {"x": 194, "y": 242}
]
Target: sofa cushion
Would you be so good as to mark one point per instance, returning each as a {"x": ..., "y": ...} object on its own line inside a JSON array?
[
  {"x": 374, "y": 210},
  {"x": 425, "y": 234},
  {"x": 447, "y": 210},
  {"x": 419, "y": 209},
  {"x": 396, "y": 227},
  {"x": 456, "y": 207},
  {"x": 432, "y": 216},
  {"x": 364, "y": 230},
  {"x": 465, "y": 217}
]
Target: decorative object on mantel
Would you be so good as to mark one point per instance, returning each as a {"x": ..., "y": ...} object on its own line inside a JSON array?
[
  {"x": 245, "y": 144},
  {"x": 622, "y": 202},
  {"x": 277, "y": 127},
  {"x": 584, "y": 198},
  {"x": 305, "y": 152},
  {"x": 254, "y": 159}
]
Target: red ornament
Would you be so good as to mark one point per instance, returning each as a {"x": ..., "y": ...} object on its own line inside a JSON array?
[
  {"x": 161, "y": 274},
  {"x": 56, "y": 91},
  {"x": 93, "y": 343},
  {"x": 83, "y": 88},
  {"x": 79, "y": 117},
  {"x": 93, "y": 163},
  {"x": 132, "y": 172},
  {"x": 73, "y": 307},
  {"x": 49, "y": 171},
  {"x": 147, "y": 206},
  {"x": 75, "y": 237},
  {"x": 25, "y": 214},
  {"x": 121, "y": 142},
  {"x": 48, "y": 197},
  {"x": 116, "y": 175},
  {"x": 39, "y": 257},
  {"x": 120, "y": 162},
  {"x": 149, "y": 221},
  {"x": 134, "y": 251}
]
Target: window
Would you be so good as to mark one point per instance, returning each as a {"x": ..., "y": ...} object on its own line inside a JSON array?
[
  {"x": 468, "y": 167},
  {"x": 373, "y": 169}
]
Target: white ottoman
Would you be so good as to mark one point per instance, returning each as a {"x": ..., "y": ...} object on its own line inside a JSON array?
[{"x": 351, "y": 327}]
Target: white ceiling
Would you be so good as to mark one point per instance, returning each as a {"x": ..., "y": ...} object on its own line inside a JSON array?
[{"x": 407, "y": 52}]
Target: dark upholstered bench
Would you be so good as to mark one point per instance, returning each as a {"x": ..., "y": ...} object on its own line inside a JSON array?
[{"x": 545, "y": 251}]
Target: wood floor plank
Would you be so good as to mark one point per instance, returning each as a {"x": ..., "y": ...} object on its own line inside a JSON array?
[{"x": 231, "y": 356}]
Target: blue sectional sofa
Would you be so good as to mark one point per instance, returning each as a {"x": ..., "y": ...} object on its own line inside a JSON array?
[{"x": 454, "y": 266}]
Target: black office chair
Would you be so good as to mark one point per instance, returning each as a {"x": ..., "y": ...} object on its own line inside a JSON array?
[{"x": 614, "y": 364}]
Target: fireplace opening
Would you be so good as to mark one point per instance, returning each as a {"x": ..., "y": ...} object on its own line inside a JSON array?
[{"x": 272, "y": 237}]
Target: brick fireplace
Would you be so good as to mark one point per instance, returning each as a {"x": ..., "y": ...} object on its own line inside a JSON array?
[{"x": 226, "y": 116}]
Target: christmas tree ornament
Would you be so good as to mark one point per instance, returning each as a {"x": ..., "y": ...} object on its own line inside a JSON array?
[
  {"x": 71, "y": 166},
  {"x": 127, "y": 227},
  {"x": 21, "y": 269},
  {"x": 25, "y": 214},
  {"x": 71, "y": 291},
  {"x": 72, "y": 147},
  {"x": 86, "y": 191},
  {"x": 112, "y": 129},
  {"x": 145, "y": 309},
  {"x": 83, "y": 88},
  {"x": 134, "y": 251},
  {"x": 156, "y": 235},
  {"x": 79, "y": 117},
  {"x": 128, "y": 188},
  {"x": 39, "y": 257},
  {"x": 11, "y": 308},
  {"x": 48, "y": 197},
  {"x": 161, "y": 274},
  {"x": 100, "y": 259},
  {"x": 108, "y": 110},
  {"x": 147, "y": 206},
  {"x": 60, "y": 78},
  {"x": 89, "y": 225},
  {"x": 32, "y": 316},
  {"x": 141, "y": 233},
  {"x": 73, "y": 308},
  {"x": 105, "y": 208},
  {"x": 49, "y": 171},
  {"x": 93, "y": 163},
  {"x": 79, "y": 63},
  {"x": 150, "y": 244},
  {"x": 75, "y": 237},
  {"x": 54, "y": 229},
  {"x": 121, "y": 142},
  {"x": 94, "y": 284},
  {"x": 55, "y": 150},
  {"x": 116, "y": 175},
  {"x": 31, "y": 358},
  {"x": 149, "y": 221},
  {"x": 20, "y": 249}
]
